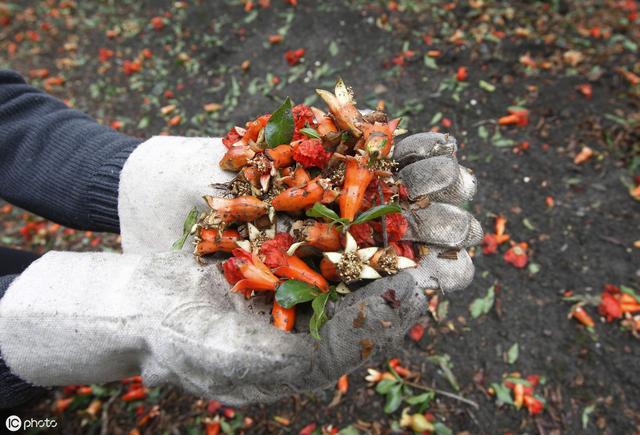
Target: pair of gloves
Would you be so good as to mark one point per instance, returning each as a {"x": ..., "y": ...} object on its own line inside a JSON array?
[{"x": 82, "y": 318}]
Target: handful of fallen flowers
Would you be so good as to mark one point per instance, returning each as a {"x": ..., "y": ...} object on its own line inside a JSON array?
[{"x": 314, "y": 208}]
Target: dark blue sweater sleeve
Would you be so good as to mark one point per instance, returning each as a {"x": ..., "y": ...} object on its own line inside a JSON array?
[
  {"x": 13, "y": 390},
  {"x": 56, "y": 161},
  {"x": 60, "y": 164}
]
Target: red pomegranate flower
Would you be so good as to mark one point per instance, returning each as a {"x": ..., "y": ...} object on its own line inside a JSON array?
[
  {"x": 363, "y": 235},
  {"x": 517, "y": 255},
  {"x": 231, "y": 137},
  {"x": 310, "y": 153},
  {"x": 397, "y": 226},
  {"x": 274, "y": 251},
  {"x": 302, "y": 115},
  {"x": 293, "y": 56}
]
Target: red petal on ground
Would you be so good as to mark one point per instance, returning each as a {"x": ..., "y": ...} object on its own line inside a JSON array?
[
  {"x": 293, "y": 56},
  {"x": 416, "y": 332},
  {"x": 489, "y": 244},
  {"x": 517, "y": 255},
  {"x": 609, "y": 307}
]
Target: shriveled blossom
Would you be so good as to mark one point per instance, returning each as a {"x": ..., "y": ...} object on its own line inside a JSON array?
[
  {"x": 248, "y": 273},
  {"x": 614, "y": 303},
  {"x": 516, "y": 116},
  {"x": 397, "y": 226},
  {"x": 609, "y": 306},
  {"x": 231, "y": 137},
  {"x": 104, "y": 54},
  {"x": 293, "y": 56},
  {"x": 404, "y": 248},
  {"x": 302, "y": 116},
  {"x": 517, "y": 255},
  {"x": 523, "y": 392},
  {"x": 253, "y": 128},
  {"x": 131, "y": 67},
  {"x": 489, "y": 244},
  {"x": 363, "y": 234},
  {"x": 310, "y": 153},
  {"x": 274, "y": 251}
]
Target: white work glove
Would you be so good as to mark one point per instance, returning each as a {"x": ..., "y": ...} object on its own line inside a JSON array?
[{"x": 85, "y": 318}]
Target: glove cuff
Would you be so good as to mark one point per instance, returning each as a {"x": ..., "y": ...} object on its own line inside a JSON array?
[{"x": 70, "y": 319}]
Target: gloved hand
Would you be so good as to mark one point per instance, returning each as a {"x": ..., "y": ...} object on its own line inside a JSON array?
[{"x": 88, "y": 318}]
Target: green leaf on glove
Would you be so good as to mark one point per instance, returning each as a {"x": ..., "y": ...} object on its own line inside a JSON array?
[
  {"x": 394, "y": 399},
  {"x": 322, "y": 211},
  {"x": 293, "y": 292},
  {"x": 377, "y": 212},
  {"x": 385, "y": 385},
  {"x": 187, "y": 228},
  {"x": 319, "y": 318},
  {"x": 310, "y": 132},
  {"x": 279, "y": 129}
]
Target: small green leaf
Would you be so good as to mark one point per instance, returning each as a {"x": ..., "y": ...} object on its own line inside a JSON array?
[
  {"x": 512, "y": 353},
  {"x": 421, "y": 398},
  {"x": 483, "y": 133},
  {"x": 279, "y": 129},
  {"x": 394, "y": 399},
  {"x": 349, "y": 430},
  {"x": 483, "y": 305},
  {"x": 503, "y": 394},
  {"x": 430, "y": 62},
  {"x": 630, "y": 292},
  {"x": 293, "y": 292},
  {"x": 528, "y": 225},
  {"x": 377, "y": 212},
  {"x": 320, "y": 210},
  {"x": 486, "y": 86},
  {"x": 310, "y": 132},
  {"x": 333, "y": 49},
  {"x": 436, "y": 118},
  {"x": 533, "y": 268},
  {"x": 384, "y": 386},
  {"x": 319, "y": 317},
  {"x": 189, "y": 222},
  {"x": 586, "y": 413},
  {"x": 441, "y": 429}
]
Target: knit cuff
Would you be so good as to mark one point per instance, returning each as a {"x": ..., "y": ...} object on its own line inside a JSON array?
[
  {"x": 13, "y": 390},
  {"x": 102, "y": 193}
]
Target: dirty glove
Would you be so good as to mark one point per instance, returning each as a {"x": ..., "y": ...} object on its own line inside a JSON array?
[{"x": 84, "y": 318}]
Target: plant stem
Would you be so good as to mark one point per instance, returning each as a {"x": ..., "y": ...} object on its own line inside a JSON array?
[
  {"x": 385, "y": 238},
  {"x": 443, "y": 393}
]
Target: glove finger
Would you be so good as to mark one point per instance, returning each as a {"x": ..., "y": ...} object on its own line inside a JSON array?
[
  {"x": 440, "y": 179},
  {"x": 443, "y": 225},
  {"x": 444, "y": 269},
  {"x": 424, "y": 145},
  {"x": 366, "y": 324}
]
